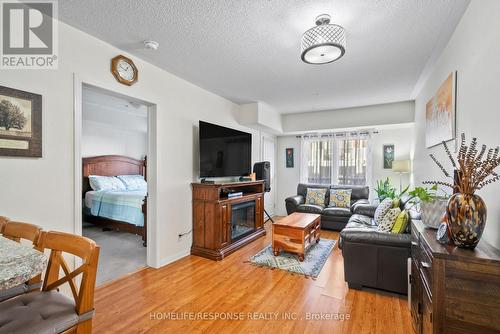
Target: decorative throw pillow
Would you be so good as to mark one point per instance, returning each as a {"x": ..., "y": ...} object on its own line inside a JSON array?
[
  {"x": 105, "y": 183},
  {"x": 316, "y": 196},
  {"x": 396, "y": 202},
  {"x": 401, "y": 222},
  {"x": 133, "y": 182},
  {"x": 389, "y": 220},
  {"x": 382, "y": 209},
  {"x": 340, "y": 198}
]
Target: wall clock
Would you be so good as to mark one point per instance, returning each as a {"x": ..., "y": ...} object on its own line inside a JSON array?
[{"x": 124, "y": 70}]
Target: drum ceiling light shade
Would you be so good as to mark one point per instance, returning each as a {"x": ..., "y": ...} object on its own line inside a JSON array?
[{"x": 324, "y": 43}]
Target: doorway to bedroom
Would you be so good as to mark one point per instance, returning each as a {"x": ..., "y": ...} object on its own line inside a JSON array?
[{"x": 114, "y": 148}]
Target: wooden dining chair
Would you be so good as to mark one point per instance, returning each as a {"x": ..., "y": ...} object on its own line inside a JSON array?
[
  {"x": 50, "y": 311},
  {"x": 18, "y": 231},
  {"x": 3, "y": 221}
]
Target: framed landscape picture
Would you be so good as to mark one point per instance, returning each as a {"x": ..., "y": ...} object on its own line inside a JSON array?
[
  {"x": 388, "y": 155},
  {"x": 289, "y": 157},
  {"x": 20, "y": 123},
  {"x": 440, "y": 113}
]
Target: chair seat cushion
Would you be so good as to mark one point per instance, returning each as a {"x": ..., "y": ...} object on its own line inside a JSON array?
[
  {"x": 310, "y": 208},
  {"x": 15, "y": 291},
  {"x": 337, "y": 212},
  {"x": 38, "y": 312}
]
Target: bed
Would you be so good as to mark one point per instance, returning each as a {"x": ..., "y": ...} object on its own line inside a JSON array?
[{"x": 125, "y": 210}]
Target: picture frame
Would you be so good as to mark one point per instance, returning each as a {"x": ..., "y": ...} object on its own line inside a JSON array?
[
  {"x": 20, "y": 123},
  {"x": 440, "y": 113},
  {"x": 289, "y": 157},
  {"x": 388, "y": 155}
]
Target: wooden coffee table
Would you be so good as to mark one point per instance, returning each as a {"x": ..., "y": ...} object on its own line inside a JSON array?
[{"x": 296, "y": 233}]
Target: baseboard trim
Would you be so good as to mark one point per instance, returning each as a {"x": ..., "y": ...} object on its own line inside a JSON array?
[{"x": 173, "y": 258}]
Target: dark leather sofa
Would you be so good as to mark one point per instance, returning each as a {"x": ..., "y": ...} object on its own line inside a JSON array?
[
  {"x": 331, "y": 218},
  {"x": 376, "y": 259}
]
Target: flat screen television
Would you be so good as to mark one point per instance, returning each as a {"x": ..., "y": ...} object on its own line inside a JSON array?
[{"x": 224, "y": 151}]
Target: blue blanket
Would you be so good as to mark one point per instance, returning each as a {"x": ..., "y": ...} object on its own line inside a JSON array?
[{"x": 124, "y": 206}]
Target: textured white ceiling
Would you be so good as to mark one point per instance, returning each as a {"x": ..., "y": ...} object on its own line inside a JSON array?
[
  {"x": 96, "y": 98},
  {"x": 248, "y": 50}
]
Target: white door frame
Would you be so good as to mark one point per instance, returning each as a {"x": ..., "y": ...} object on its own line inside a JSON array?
[
  {"x": 152, "y": 230},
  {"x": 273, "y": 168}
]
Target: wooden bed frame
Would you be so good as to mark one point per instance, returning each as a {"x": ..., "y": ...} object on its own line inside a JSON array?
[{"x": 113, "y": 165}]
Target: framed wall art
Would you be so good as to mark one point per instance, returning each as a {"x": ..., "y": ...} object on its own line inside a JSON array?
[
  {"x": 388, "y": 155},
  {"x": 440, "y": 113},
  {"x": 289, "y": 157},
  {"x": 20, "y": 123}
]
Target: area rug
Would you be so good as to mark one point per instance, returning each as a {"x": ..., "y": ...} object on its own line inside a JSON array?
[{"x": 313, "y": 262}]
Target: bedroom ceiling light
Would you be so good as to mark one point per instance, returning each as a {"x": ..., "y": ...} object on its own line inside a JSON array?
[
  {"x": 324, "y": 43},
  {"x": 151, "y": 45}
]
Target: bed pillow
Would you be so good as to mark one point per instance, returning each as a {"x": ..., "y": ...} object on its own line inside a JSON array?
[
  {"x": 389, "y": 220},
  {"x": 98, "y": 182},
  {"x": 382, "y": 209},
  {"x": 340, "y": 198},
  {"x": 133, "y": 182},
  {"x": 316, "y": 196}
]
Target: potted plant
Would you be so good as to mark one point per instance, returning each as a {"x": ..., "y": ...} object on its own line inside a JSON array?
[
  {"x": 384, "y": 190},
  {"x": 431, "y": 204},
  {"x": 466, "y": 211}
]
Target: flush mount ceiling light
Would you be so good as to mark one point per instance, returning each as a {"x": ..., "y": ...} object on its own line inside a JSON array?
[
  {"x": 324, "y": 43},
  {"x": 151, "y": 45}
]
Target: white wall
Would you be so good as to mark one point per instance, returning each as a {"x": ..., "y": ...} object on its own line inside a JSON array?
[
  {"x": 260, "y": 115},
  {"x": 104, "y": 138},
  {"x": 366, "y": 116},
  {"x": 113, "y": 126},
  {"x": 473, "y": 51},
  {"x": 41, "y": 191},
  {"x": 288, "y": 178},
  {"x": 402, "y": 138}
]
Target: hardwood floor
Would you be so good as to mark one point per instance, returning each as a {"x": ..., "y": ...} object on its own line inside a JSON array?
[{"x": 140, "y": 303}]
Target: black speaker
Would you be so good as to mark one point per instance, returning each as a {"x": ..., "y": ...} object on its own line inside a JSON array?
[{"x": 262, "y": 171}]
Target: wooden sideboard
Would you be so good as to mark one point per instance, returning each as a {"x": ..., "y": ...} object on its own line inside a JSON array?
[
  {"x": 215, "y": 219},
  {"x": 453, "y": 290}
]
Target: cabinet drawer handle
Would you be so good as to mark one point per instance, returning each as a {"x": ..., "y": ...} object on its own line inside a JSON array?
[
  {"x": 425, "y": 264},
  {"x": 414, "y": 243}
]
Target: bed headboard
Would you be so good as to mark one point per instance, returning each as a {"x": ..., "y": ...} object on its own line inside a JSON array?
[{"x": 111, "y": 165}]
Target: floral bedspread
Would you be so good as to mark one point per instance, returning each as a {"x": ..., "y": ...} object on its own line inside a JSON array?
[{"x": 18, "y": 263}]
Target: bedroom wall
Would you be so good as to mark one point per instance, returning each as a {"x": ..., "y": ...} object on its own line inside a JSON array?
[
  {"x": 478, "y": 84},
  {"x": 42, "y": 190},
  {"x": 288, "y": 178},
  {"x": 105, "y": 138},
  {"x": 113, "y": 126}
]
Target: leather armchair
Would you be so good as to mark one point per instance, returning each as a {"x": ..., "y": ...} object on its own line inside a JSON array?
[{"x": 373, "y": 258}]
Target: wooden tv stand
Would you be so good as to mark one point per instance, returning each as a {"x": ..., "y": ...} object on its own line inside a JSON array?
[{"x": 215, "y": 230}]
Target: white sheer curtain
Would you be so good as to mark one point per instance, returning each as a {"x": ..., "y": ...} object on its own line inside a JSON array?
[
  {"x": 354, "y": 158},
  {"x": 339, "y": 158},
  {"x": 317, "y": 160}
]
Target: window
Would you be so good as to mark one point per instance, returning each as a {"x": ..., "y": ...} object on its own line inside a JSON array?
[
  {"x": 335, "y": 160},
  {"x": 320, "y": 161},
  {"x": 353, "y": 154}
]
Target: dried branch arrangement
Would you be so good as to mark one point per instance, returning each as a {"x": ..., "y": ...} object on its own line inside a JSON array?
[{"x": 475, "y": 169}]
